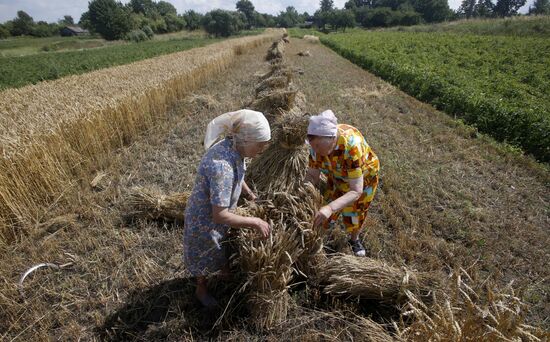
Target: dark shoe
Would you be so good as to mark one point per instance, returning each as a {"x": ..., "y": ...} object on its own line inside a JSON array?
[{"x": 358, "y": 248}]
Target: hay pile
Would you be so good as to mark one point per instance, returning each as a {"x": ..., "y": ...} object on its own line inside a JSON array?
[
  {"x": 275, "y": 93},
  {"x": 284, "y": 163},
  {"x": 276, "y": 50},
  {"x": 311, "y": 39},
  {"x": 146, "y": 203},
  {"x": 269, "y": 265},
  {"x": 373, "y": 279}
]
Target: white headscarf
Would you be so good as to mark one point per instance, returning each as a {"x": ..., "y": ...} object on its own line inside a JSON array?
[
  {"x": 324, "y": 124},
  {"x": 243, "y": 125}
]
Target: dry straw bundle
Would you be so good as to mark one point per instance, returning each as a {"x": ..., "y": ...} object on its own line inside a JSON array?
[
  {"x": 273, "y": 103},
  {"x": 311, "y": 39},
  {"x": 276, "y": 51},
  {"x": 269, "y": 264},
  {"x": 274, "y": 82},
  {"x": 373, "y": 279},
  {"x": 52, "y": 131},
  {"x": 152, "y": 204},
  {"x": 283, "y": 165}
]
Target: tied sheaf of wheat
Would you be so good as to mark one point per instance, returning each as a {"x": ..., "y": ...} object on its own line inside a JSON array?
[{"x": 53, "y": 131}]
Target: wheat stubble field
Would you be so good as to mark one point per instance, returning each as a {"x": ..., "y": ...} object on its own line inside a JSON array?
[{"x": 450, "y": 201}]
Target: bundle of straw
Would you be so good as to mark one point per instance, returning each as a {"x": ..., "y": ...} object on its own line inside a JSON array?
[
  {"x": 269, "y": 264},
  {"x": 271, "y": 83},
  {"x": 268, "y": 268},
  {"x": 276, "y": 51},
  {"x": 284, "y": 163},
  {"x": 373, "y": 279},
  {"x": 272, "y": 103},
  {"x": 152, "y": 204}
]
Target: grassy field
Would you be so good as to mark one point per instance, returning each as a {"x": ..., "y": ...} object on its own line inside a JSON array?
[
  {"x": 498, "y": 83},
  {"x": 30, "y": 69},
  {"x": 73, "y": 56},
  {"x": 449, "y": 199}
]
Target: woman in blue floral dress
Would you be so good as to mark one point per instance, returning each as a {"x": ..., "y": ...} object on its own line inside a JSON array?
[{"x": 218, "y": 185}]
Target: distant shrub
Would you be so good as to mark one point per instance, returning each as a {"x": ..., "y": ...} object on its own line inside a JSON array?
[
  {"x": 148, "y": 31},
  {"x": 137, "y": 36}
]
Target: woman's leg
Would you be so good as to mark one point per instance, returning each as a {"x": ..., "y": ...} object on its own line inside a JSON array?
[{"x": 202, "y": 294}]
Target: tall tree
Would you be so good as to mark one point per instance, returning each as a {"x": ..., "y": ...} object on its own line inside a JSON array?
[
  {"x": 484, "y": 8},
  {"x": 433, "y": 10},
  {"x": 109, "y": 18},
  {"x": 164, "y": 8},
  {"x": 506, "y": 8},
  {"x": 22, "y": 24},
  {"x": 67, "y": 20},
  {"x": 247, "y": 8},
  {"x": 326, "y": 5},
  {"x": 192, "y": 20},
  {"x": 540, "y": 7},
  {"x": 222, "y": 23},
  {"x": 289, "y": 17},
  {"x": 467, "y": 8},
  {"x": 142, "y": 6}
]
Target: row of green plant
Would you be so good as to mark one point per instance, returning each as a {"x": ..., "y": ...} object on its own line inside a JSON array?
[
  {"x": 20, "y": 71},
  {"x": 500, "y": 84},
  {"x": 526, "y": 26}
]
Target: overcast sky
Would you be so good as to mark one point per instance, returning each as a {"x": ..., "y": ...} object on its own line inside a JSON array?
[{"x": 52, "y": 10}]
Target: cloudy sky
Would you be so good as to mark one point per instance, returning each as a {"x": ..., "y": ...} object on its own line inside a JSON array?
[{"x": 52, "y": 10}]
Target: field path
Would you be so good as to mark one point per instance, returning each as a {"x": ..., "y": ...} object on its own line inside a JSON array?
[{"x": 448, "y": 199}]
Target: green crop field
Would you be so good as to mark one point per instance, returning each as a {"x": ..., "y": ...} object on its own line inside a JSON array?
[
  {"x": 500, "y": 84},
  {"x": 20, "y": 71}
]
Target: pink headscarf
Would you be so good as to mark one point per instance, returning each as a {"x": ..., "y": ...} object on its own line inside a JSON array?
[{"x": 324, "y": 124}]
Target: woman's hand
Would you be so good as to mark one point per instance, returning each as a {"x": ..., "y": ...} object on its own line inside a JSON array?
[
  {"x": 261, "y": 227},
  {"x": 322, "y": 216},
  {"x": 252, "y": 196}
]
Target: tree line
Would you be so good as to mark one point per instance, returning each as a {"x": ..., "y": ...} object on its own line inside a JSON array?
[{"x": 141, "y": 19}]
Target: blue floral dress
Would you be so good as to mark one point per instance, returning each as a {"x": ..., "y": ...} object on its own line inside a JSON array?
[{"x": 219, "y": 182}]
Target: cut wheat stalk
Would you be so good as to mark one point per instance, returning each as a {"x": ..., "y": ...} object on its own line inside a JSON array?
[
  {"x": 152, "y": 204},
  {"x": 373, "y": 279}
]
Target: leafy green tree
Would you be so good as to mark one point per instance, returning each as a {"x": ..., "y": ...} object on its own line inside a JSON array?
[
  {"x": 142, "y": 6},
  {"x": 259, "y": 20},
  {"x": 326, "y": 5},
  {"x": 22, "y": 24},
  {"x": 433, "y": 11},
  {"x": 289, "y": 17},
  {"x": 343, "y": 19},
  {"x": 192, "y": 20},
  {"x": 4, "y": 32},
  {"x": 174, "y": 22},
  {"x": 540, "y": 7},
  {"x": 247, "y": 8},
  {"x": 66, "y": 21},
  {"x": 84, "y": 21},
  {"x": 222, "y": 23},
  {"x": 164, "y": 8},
  {"x": 393, "y": 4},
  {"x": 484, "y": 8},
  {"x": 43, "y": 29},
  {"x": 270, "y": 20},
  {"x": 467, "y": 8},
  {"x": 506, "y": 8},
  {"x": 109, "y": 19}
]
